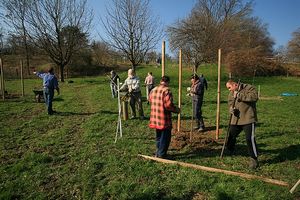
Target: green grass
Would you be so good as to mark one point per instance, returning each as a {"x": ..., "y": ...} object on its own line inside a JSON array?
[{"x": 72, "y": 155}]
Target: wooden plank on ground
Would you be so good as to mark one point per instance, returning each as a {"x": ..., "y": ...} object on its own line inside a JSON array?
[
  {"x": 210, "y": 169},
  {"x": 294, "y": 187}
]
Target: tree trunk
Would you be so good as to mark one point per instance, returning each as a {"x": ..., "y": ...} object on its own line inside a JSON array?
[
  {"x": 61, "y": 67},
  {"x": 133, "y": 66},
  {"x": 27, "y": 60}
]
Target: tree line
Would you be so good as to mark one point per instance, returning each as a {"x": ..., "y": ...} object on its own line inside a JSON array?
[{"x": 60, "y": 30}]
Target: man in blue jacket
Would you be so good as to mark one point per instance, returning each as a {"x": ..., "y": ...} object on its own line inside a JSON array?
[{"x": 49, "y": 84}]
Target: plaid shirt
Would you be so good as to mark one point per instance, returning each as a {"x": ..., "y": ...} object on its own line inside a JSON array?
[{"x": 161, "y": 100}]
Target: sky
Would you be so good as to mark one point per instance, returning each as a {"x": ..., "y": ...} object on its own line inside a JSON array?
[{"x": 281, "y": 16}]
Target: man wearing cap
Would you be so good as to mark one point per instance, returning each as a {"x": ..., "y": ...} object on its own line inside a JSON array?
[
  {"x": 197, "y": 93},
  {"x": 132, "y": 86}
]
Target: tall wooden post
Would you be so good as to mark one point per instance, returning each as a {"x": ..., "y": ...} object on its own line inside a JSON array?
[
  {"x": 2, "y": 80},
  {"x": 163, "y": 59},
  {"x": 219, "y": 94},
  {"x": 22, "y": 78},
  {"x": 179, "y": 88}
]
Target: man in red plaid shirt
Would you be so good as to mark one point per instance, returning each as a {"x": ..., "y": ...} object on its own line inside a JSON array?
[{"x": 162, "y": 106}]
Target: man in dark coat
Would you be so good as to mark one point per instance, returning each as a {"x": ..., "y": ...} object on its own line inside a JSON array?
[
  {"x": 197, "y": 93},
  {"x": 242, "y": 100}
]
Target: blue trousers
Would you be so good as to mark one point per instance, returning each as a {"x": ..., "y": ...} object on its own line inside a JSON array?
[
  {"x": 163, "y": 139},
  {"x": 48, "y": 96}
]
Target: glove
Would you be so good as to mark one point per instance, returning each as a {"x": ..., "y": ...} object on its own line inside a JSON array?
[
  {"x": 234, "y": 111},
  {"x": 188, "y": 89}
]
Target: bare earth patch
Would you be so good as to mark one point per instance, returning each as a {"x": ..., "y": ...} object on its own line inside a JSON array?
[{"x": 195, "y": 140}]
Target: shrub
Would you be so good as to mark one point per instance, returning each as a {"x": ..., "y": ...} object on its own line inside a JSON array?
[{"x": 252, "y": 62}]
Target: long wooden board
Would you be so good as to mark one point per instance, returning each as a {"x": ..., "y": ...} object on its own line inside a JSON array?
[{"x": 210, "y": 169}]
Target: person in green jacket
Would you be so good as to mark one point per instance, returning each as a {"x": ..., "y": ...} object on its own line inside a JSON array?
[{"x": 242, "y": 100}]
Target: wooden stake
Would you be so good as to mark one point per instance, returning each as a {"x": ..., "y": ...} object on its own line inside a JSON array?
[
  {"x": 2, "y": 80},
  {"x": 179, "y": 88},
  {"x": 294, "y": 187},
  {"x": 163, "y": 51},
  {"x": 210, "y": 169},
  {"x": 22, "y": 79},
  {"x": 0, "y": 77},
  {"x": 219, "y": 95}
]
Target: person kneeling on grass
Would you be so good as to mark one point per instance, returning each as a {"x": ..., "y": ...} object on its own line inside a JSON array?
[
  {"x": 242, "y": 106},
  {"x": 49, "y": 84},
  {"x": 162, "y": 106}
]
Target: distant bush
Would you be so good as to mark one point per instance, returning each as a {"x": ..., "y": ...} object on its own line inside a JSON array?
[{"x": 252, "y": 62}]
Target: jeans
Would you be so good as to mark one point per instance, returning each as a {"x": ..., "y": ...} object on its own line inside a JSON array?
[
  {"x": 48, "y": 96},
  {"x": 163, "y": 139}
]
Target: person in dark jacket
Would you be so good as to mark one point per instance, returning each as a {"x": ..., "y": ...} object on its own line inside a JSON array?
[
  {"x": 49, "y": 84},
  {"x": 242, "y": 100},
  {"x": 113, "y": 83},
  {"x": 197, "y": 93}
]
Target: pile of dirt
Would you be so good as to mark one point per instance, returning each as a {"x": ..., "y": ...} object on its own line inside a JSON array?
[{"x": 194, "y": 140}]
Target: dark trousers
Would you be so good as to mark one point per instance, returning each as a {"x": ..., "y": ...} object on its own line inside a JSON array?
[
  {"x": 197, "y": 111},
  {"x": 148, "y": 90},
  {"x": 48, "y": 96},
  {"x": 136, "y": 98},
  {"x": 249, "y": 129},
  {"x": 163, "y": 139}
]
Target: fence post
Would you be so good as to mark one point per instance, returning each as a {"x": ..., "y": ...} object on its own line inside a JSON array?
[
  {"x": 22, "y": 79},
  {"x": 163, "y": 59},
  {"x": 179, "y": 88},
  {"x": 2, "y": 80},
  {"x": 219, "y": 94}
]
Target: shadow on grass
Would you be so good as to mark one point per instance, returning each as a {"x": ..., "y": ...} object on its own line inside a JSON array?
[
  {"x": 214, "y": 102},
  {"x": 72, "y": 113},
  {"x": 210, "y": 151},
  {"x": 107, "y": 112},
  {"x": 291, "y": 152},
  {"x": 58, "y": 99}
]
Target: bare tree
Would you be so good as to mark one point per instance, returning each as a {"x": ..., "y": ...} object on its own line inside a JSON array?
[
  {"x": 208, "y": 27},
  {"x": 132, "y": 29},
  {"x": 294, "y": 46},
  {"x": 60, "y": 28},
  {"x": 15, "y": 17},
  {"x": 101, "y": 53}
]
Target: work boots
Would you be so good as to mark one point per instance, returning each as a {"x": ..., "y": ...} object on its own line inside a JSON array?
[{"x": 199, "y": 125}]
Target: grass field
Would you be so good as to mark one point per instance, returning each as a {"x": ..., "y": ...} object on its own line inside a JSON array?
[{"x": 72, "y": 154}]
